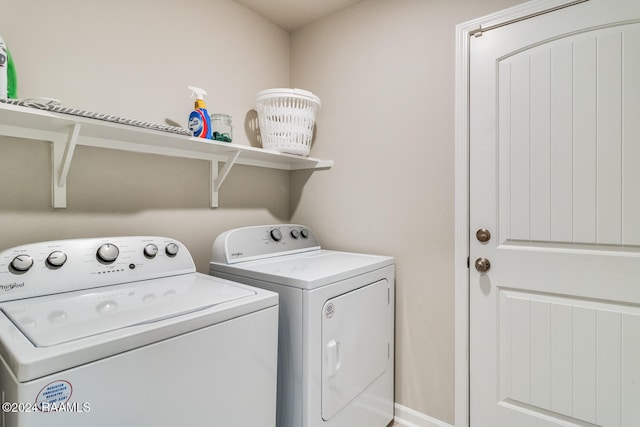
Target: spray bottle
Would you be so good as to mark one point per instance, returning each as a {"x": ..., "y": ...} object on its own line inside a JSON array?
[
  {"x": 8, "y": 83},
  {"x": 4, "y": 65},
  {"x": 199, "y": 119}
]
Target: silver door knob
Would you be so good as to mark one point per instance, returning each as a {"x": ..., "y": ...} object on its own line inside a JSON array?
[
  {"x": 483, "y": 235},
  {"x": 482, "y": 265}
]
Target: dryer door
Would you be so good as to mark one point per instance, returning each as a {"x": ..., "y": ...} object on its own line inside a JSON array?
[{"x": 355, "y": 344}]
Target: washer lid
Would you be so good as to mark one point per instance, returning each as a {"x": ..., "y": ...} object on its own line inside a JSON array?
[
  {"x": 308, "y": 270},
  {"x": 56, "y": 319}
]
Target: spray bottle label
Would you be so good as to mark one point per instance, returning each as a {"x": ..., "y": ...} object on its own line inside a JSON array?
[{"x": 198, "y": 123}]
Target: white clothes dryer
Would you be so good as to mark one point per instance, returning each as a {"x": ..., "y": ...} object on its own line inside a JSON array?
[
  {"x": 336, "y": 327},
  {"x": 124, "y": 332}
]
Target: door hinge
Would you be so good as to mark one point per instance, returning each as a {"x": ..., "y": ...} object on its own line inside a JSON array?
[{"x": 468, "y": 260}]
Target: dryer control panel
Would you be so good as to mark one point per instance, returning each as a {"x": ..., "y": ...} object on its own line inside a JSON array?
[
  {"x": 67, "y": 265},
  {"x": 263, "y": 241}
]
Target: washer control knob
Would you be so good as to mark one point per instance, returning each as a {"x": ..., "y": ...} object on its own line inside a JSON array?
[
  {"x": 150, "y": 251},
  {"x": 56, "y": 259},
  {"x": 22, "y": 263},
  {"x": 276, "y": 234},
  {"x": 107, "y": 253},
  {"x": 304, "y": 233},
  {"x": 171, "y": 249},
  {"x": 295, "y": 234}
]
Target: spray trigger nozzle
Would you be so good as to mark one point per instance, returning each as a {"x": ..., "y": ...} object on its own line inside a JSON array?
[{"x": 198, "y": 92}]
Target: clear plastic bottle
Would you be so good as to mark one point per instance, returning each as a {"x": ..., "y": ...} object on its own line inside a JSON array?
[{"x": 221, "y": 127}]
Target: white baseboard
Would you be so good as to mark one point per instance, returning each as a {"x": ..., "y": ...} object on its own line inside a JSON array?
[{"x": 408, "y": 417}]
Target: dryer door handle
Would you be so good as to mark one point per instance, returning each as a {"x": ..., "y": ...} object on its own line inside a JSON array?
[{"x": 333, "y": 358}]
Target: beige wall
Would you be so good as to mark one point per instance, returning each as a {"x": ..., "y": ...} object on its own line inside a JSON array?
[
  {"x": 135, "y": 59},
  {"x": 384, "y": 70}
]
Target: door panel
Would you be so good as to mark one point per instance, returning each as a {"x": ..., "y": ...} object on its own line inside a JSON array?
[
  {"x": 567, "y": 356},
  {"x": 563, "y": 140},
  {"x": 554, "y": 155}
]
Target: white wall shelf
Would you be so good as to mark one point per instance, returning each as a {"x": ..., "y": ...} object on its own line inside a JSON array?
[{"x": 65, "y": 132}]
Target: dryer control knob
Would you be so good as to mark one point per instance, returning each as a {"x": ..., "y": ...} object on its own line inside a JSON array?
[
  {"x": 150, "y": 251},
  {"x": 107, "y": 253},
  {"x": 21, "y": 263},
  {"x": 56, "y": 259},
  {"x": 305, "y": 233},
  {"x": 276, "y": 234},
  {"x": 171, "y": 249},
  {"x": 295, "y": 233}
]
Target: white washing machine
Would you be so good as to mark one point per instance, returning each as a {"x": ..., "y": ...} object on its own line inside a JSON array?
[
  {"x": 123, "y": 332},
  {"x": 336, "y": 329}
]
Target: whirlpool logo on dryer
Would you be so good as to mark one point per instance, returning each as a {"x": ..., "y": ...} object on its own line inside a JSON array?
[{"x": 11, "y": 286}]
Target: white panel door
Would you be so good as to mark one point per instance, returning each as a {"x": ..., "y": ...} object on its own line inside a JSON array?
[{"x": 555, "y": 178}]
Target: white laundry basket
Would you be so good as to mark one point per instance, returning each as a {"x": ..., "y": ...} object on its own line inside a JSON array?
[{"x": 286, "y": 118}]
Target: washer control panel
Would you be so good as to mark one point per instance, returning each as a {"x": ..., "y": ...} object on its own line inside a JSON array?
[
  {"x": 67, "y": 265},
  {"x": 264, "y": 241}
]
